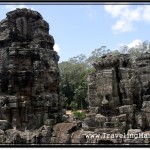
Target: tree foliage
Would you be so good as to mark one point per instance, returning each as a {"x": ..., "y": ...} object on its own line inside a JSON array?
[
  {"x": 73, "y": 83},
  {"x": 137, "y": 50}
]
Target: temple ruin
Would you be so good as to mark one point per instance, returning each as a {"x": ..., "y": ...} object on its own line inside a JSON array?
[
  {"x": 118, "y": 95},
  {"x": 30, "y": 106}
]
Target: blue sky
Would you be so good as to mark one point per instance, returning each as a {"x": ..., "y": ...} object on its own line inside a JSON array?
[{"x": 79, "y": 29}]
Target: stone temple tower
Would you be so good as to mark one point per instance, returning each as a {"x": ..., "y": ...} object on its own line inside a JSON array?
[{"x": 29, "y": 75}]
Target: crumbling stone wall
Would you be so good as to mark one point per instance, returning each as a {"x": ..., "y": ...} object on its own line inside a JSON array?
[
  {"x": 29, "y": 75},
  {"x": 30, "y": 107},
  {"x": 143, "y": 70},
  {"x": 118, "y": 95}
]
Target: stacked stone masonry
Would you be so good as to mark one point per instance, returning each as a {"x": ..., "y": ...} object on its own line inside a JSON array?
[
  {"x": 30, "y": 106},
  {"x": 119, "y": 96},
  {"x": 29, "y": 75}
]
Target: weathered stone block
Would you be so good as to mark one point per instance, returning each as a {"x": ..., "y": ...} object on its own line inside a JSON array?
[
  {"x": 122, "y": 118},
  {"x": 94, "y": 110},
  {"x": 146, "y": 135},
  {"x": 78, "y": 137},
  {"x": 126, "y": 109},
  {"x": 123, "y": 126},
  {"x": 146, "y": 104},
  {"x": 133, "y": 137},
  {"x": 134, "y": 131},
  {"x": 109, "y": 125},
  {"x": 91, "y": 78},
  {"x": 127, "y": 102},
  {"x": 100, "y": 120},
  {"x": 4, "y": 125},
  {"x": 50, "y": 122},
  {"x": 140, "y": 120},
  {"x": 146, "y": 98},
  {"x": 147, "y": 119},
  {"x": 2, "y": 137},
  {"x": 65, "y": 127},
  {"x": 116, "y": 121},
  {"x": 14, "y": 136},
  {"x": 90, "y": 120}
]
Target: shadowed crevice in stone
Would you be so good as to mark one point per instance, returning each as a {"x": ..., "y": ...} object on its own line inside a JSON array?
[{"x": 118, "y": 81}]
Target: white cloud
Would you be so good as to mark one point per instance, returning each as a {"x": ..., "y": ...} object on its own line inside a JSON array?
[
  {"x": 134, "y": 43},
  {"x": 126, "y": 15},
  {"x": 11, "y": 7},
  {"x": 57, "y": 48},
  {"x": 122, "y": 26},
  {"x": 115, "y": 10}
]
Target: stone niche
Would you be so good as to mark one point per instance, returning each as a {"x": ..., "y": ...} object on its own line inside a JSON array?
[{"x": 29, "y": 75}]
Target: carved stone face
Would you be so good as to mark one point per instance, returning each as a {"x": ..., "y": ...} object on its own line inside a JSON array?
[{"x": 104, "y": 87}]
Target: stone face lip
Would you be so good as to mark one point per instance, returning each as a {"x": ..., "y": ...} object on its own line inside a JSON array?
[{"x": 29, "y": 74}]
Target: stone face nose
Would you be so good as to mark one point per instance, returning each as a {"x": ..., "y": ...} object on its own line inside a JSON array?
[
  {"x": 29, "y": 74},
  {"x": 105, "y": 101}
]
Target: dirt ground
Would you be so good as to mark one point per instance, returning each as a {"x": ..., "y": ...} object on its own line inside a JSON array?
[{"x": 68, "y": 112}]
